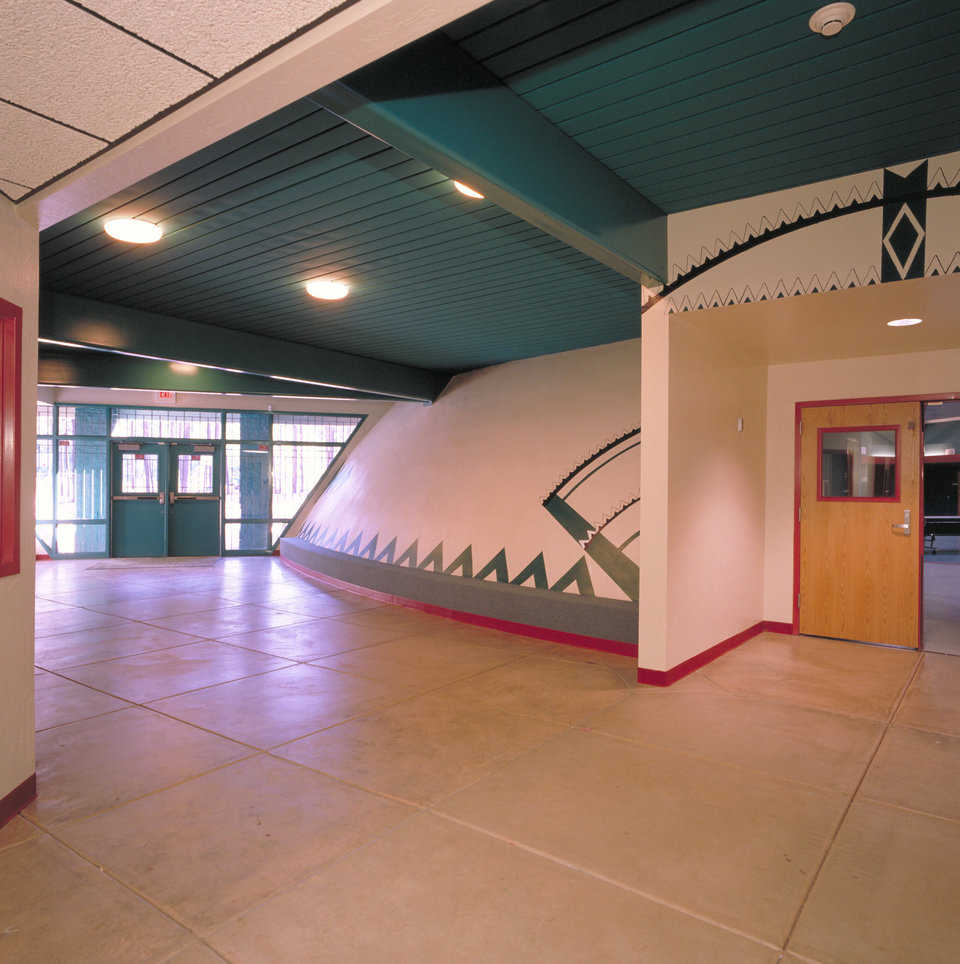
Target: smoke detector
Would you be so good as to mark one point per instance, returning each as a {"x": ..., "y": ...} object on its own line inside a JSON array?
[{"x": 828, "y": 21}]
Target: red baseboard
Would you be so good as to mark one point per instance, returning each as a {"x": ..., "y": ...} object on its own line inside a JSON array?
[
  {"x": 42, "y": 557},
  {"x": 490, "y": 622},
  {"x": 656, "y": 677},
  {"x": 17, "y": 799}
]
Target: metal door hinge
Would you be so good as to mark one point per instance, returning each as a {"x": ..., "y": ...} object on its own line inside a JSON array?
[
  {"x": 798, "y": 600},
  {"x": 801, "y": 428}
]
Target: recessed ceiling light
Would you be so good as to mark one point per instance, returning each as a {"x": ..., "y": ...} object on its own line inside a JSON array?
[
  {"x": 133, "y": 230},
  {"x": 468, "y": 191},
  {"x": 328, "y": 290},
  {"x": 182, "y": 368},
  {"x": 904, "y": 322},
  {"x": 828, "y": 21}
]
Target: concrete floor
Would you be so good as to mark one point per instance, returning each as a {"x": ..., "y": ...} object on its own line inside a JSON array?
[{"x": 235, "y": 764}]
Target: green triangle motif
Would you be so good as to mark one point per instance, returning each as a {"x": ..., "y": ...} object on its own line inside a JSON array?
[
  {"x": 464, "y": 562},
  {"x": 354, "y": 546},
  {"x": 578, "y": 573},
  {"x": 369, "y": 551},
  {"x": 434, "y": 558},
  {"x": 537, "y": 570},
  {"x": 409, "y": 555},
  {"x": 498, "y": 565},
  {"x": 342, "y": 544},
  {"x": 386, "y": 553}
]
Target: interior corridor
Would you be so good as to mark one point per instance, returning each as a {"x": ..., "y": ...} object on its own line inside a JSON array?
[{"x": 235, "y": 764}]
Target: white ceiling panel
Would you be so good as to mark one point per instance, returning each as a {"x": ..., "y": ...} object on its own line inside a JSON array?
[
  {"x": 11, "y": 189},
  {"x": 36, "y": 149},
  {"x": 75, "y": 68},
  {"x": 216, "y": 35}
]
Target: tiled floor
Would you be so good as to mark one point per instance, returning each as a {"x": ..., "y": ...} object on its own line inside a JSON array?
[{"x": 237, "y": 765}]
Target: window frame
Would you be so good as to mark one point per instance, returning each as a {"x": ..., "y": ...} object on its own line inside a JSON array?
[
  {"x": 831, "y": 430},
  {"x": 11, "y": 435}
]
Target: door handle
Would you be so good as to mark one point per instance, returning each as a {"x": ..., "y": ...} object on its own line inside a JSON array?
[{"x": 903, "y": 528}]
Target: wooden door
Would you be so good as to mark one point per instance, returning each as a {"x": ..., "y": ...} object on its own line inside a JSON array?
[{"x": 859, "y": 556}]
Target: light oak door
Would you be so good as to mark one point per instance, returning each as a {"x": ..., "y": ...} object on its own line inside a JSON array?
[{"x": 860, "y": 523}]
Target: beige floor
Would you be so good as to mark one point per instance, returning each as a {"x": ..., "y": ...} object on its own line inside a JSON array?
[{"x": 236, "y": 765}]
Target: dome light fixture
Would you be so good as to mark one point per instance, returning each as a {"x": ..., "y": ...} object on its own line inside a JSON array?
[
  {"x": 327, "y": 290},
  {"x": 828, "y": 21},
  {"x": 467, "y": 191},
  {"x": 133, "y": 230},
  {"x": 904, "y": 322},
  {"x": 183, "y": 368}
]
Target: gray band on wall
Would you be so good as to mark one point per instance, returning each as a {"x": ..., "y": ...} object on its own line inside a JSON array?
[{"x": 612, "y": 619}]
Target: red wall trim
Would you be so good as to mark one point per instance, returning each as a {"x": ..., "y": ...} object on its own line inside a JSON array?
[
  {"x": 17, "y": 799},
  {"x": 941, "y": 458},
  {"x": 11, "y": 323},
  {"x": 657, "y": 677},
  {"x": 520, "y": 629}
]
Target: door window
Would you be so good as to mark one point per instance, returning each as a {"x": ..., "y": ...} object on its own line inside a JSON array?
[
  {"x": 139, "y": 473},
  {"x": 858, "y": 463},
  {"x": 194, "y": 474}
]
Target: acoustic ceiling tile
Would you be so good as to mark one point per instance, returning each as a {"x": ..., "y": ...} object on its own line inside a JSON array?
[
  {"x": 12, "y": 189},
  {"x": 73, "y": 67},
  {"x": 36, "y": 149},
  {"x": 216, "y": 35}
]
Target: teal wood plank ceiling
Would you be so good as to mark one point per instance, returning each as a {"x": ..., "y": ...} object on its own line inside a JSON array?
[
  {"x": 698, "y": 103},
  {"x": 438, "y": 281}
]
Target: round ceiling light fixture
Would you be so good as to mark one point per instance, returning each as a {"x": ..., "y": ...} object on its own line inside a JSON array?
[
  {"x": 904, "y": 322},
  {"x": 327, "y": 290},
  {"x": 828, "y": 21},
  {"x": 183, "y": 368},
  {"x": 133, "y": 230},
  {"x": 468, "y": 191}
]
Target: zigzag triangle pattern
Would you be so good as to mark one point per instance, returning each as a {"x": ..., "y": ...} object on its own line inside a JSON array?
[{"x": 577, "y": 577}]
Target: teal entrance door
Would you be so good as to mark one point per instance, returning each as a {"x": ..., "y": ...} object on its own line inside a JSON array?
[
  {"x": 140, "y": 482},
  {"x": 194, "y": 500}
]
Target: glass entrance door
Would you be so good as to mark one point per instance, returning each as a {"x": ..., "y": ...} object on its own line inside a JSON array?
[
  {"x": 194, "y": 500},
  {"x": 140, "y": 482}
]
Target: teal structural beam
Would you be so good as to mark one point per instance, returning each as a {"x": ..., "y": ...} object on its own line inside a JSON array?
[
  {"x": 89, "y": 368},
  {"x": 96, "y": 324},
  {"x": 432, "y": 101}
]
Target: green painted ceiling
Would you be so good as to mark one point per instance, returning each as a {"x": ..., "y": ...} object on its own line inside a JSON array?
[
  {"x": 697, "y": 103},
  {"x": 439, "y": 281}
]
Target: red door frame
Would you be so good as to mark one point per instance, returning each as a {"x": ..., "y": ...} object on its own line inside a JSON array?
[
  {"x": 798, "y": 417},
  {"x": 11, "y": 334}
]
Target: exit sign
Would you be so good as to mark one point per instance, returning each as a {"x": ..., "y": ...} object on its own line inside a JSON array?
[{"x": 165, "y": 398}]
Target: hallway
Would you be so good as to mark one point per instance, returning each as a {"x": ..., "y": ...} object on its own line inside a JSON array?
[{"x": 235, "y": 764}]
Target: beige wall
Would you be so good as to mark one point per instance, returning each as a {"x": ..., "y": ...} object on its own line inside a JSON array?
[
  {"x": 919, "y": 373},
  {"x": 473, "y": 468},
  {"x": 18, "y": 284}
]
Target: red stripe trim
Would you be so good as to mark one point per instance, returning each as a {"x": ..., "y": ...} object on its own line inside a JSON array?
[
  {"x": 658, "y": 677},
  {"x": 42, "y": 557},
  {"x": 17, "y": 799},
  {"x": 490, "y": 622}
]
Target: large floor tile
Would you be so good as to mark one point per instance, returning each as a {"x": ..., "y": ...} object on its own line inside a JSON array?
[
  {"x": 227, "y": 622},
  {"x": 312, "y": 640},
  {"x": 699, "y": 834},
  {"x": 61, "y": 701},
  {"x": 917, "y": 769},
  {"x": 421, "y": 749},
  {"x": 827, "y": 674},
  {"x": 887, "y": 893},
  {"x": 154, "y": 675},
  {"x": 172, "y": 605},
  {"x": 425, "y": 661},
  {"x": 209, "y": 848},
  {"x": 451, "y": 894},
  {"x": 396, "y": 617},
  {"x": 112, "y": 642},
  {"x": 16, "y": 831},
  {"x": 322, "y": 604},
  {"x": 932, "y": 702},
  {"x": 797, "y": 743},
  {"x": 552, "y": 689},
  {"x": 56, "y": 907},
  {"x": 99, "y": 763},
  {"x": 280, "y": 706},
  {"x": 69, "y": 621}
]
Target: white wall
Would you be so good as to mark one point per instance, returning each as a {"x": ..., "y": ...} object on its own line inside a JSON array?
[
  {"x": 18, "y": 284},
  {"x": 919, "y": 373},
  {"x": 473, "y": 468}
]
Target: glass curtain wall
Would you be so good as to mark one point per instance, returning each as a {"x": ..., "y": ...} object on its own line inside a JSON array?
[{"x": 271, "y": 464}]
